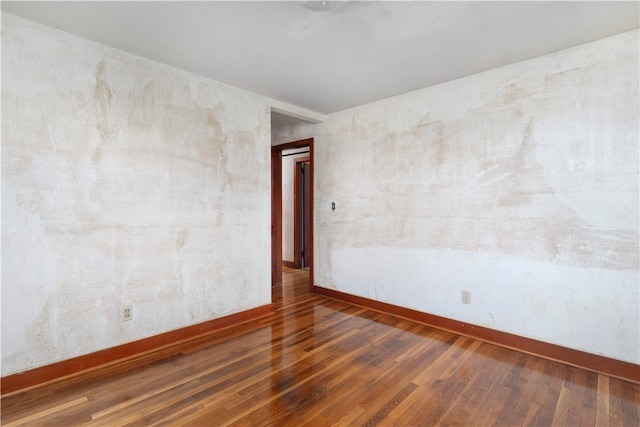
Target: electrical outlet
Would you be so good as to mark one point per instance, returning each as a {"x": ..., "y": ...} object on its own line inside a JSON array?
[
  {"x": 127, "y": 313},
  {"x": 466, "y": 297}
]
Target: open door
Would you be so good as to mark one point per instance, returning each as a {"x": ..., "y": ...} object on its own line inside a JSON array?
[
  {"x": 302, "y": 246},
  {"x": 308, "y": 210},
  {"x": 276, "y": 209}
]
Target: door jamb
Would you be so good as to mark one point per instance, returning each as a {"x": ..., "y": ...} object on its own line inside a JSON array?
[{"x": 276, "y": 217}]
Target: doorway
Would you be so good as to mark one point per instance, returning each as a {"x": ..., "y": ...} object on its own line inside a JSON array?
[
  {"x": 302, "y": 246},
  {"x": 303, "y": 194}
]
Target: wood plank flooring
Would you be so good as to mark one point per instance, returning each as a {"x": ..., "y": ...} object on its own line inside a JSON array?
[{"x": 320, "y": 362}]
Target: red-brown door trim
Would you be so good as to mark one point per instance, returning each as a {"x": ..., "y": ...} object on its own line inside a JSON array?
[
  {"x": 276, "y": 200},
  {"x": 276, "y": 217}
]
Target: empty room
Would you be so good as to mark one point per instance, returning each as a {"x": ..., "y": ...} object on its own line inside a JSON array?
[{"x": 320, "y": 213}]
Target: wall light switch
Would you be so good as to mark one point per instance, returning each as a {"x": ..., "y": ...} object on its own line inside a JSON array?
[{"x": 466, "y": 297}]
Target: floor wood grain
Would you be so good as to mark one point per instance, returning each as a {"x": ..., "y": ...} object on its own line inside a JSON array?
[{"x": 320, "y": 362}]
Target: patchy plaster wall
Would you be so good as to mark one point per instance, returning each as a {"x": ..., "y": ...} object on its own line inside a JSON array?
[
  {"x": 124, "y": 181},
  {"x": 519, "y": 185},
  {"x": 293, "y": 133}
]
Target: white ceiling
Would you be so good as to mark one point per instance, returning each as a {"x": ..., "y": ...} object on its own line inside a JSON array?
[{"x": 327, "y": 58}]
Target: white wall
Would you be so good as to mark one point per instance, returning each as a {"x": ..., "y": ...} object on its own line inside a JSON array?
[
  {"x": 124, "y": 181},
  {"x": 519, "y": 185}
]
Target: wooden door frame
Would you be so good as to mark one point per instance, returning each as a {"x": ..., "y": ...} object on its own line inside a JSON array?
[
  {"x": 276, "y": 208},
  {"x": 298, "y": 221},
  {"x": 276, "y": 217}
]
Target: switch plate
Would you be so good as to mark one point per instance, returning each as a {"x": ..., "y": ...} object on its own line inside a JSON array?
[{"x": 466, "y": 297}]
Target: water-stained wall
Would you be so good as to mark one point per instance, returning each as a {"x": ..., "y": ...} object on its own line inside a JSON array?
[
  {"x": 519, "y": 185},
  {"x": 124, "y": 182}
]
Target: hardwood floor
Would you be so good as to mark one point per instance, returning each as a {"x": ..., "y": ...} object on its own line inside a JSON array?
[{"x": 321, "y": 362}]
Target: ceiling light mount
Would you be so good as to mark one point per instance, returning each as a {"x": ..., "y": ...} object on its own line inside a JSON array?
[{"x": 323, "y": 6}]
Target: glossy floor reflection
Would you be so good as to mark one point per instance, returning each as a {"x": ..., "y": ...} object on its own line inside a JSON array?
[{"x": 320, "y": 362}]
